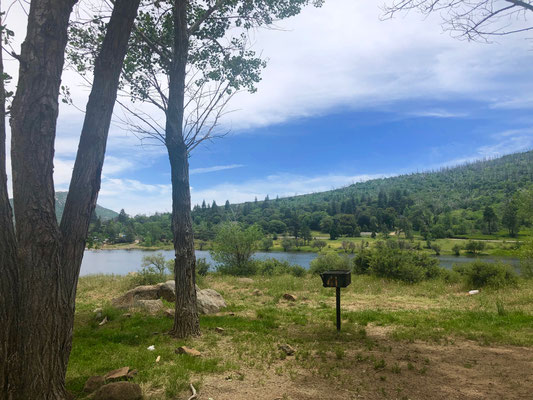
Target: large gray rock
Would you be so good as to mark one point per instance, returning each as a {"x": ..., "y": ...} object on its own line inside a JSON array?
[
  {"x": 119, "y": 391},
  {"x": 151, "y": 306},
  {"x": 209, "y": 301}
]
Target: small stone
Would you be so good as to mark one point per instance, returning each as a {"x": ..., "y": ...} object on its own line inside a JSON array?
[
  {"x": 245, "y": 280},
  {"x": 151, "y": 347},
  {"x": 169, "y": 312},
  {"x": 93, "y": 383},
  {"x": 117, "y": 374},
  {"x": 104, "y": 321},
  {"x": 98, "y": 312},
  {"x": 289, "y": 297},
  {"x": 287, "y": 349},
  {"x": 218, "y": 329},
  {"x": 127, "y": 315},
  {"x": 158, "y": 359},
  {"x": 119, "y": 391},
  {"x": 231, "y": 314},
  {"x": 257, "y": 292},
  {"x": 189, "y": 351}
]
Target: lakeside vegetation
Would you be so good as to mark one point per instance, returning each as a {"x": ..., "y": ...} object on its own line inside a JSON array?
[
  {"x": 489, "y": 201},
  {"x": 378, "y": 315}
]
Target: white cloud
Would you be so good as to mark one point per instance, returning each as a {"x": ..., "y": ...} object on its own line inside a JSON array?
[
  {"x": 507, "y": 142},
  {"x": 216, "y": 168},
  {"x": 439, "y": 114},
  {"x": 281, "y": 185}
]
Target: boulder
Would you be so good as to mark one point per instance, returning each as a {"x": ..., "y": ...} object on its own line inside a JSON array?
[
  {"x": 148, "y": 297},
  {"x": 167, "y": 291},
  {"x": 151, "y": 306},
  {"x": 93, "y": 383},
  {"x": 128, "y": 299},
  {"x": 119, "y": 391},
  {"x": 209, "y": 301}
]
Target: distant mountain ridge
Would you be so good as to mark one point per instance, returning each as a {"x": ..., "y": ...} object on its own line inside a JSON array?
[{"x": 61, "y": 197}]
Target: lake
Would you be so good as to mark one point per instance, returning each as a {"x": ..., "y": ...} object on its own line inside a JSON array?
[{"x": 120, "y": 262}]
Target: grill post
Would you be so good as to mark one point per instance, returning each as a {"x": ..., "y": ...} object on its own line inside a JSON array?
[{"x": 338, "y": 308}]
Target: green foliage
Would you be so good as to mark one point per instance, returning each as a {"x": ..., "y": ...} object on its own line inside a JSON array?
[
  {"x": 474, "y": 247},
  {"x": 329, "y": 261},
  {"x": 202, "y": 266},
  {"x": 405, "y": 265},
  {"x": 266, "y": 243},
  {"x": 272, "y": 266},
  {"x": 153, "y": 270},
  {"x": 526, "y": 259},
  {"x": 457, "y": 249},
  {"x": 479, "y": 274},
  {"x": 233, "y": 248}
]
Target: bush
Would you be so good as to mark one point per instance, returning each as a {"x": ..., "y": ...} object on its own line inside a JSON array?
[
  {"x": 266, "y": 243},
  {"x": 479, "y": 274},
  {"x": 361, "y": 261},
  {"x": 153, "y": 270},
  {"x": 475, "y": 247},
  {"x": 404, "y": 265},
  {"x": 233, "y": 248},
  {"x": 271, "y": 267},
  {"x": 457, "y": 249},
  {"x": 329, "y": 261},
  {"x": 526, "y": 260},
  {"x": 202, "y": 266}
]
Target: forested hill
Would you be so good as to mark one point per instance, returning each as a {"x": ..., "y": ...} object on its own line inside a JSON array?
[
  {"x": 61, "y": 197},
  {"x": 451, "y": 201}
]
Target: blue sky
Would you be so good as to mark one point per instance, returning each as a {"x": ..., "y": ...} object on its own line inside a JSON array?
[{"x": 345, "y": 97}]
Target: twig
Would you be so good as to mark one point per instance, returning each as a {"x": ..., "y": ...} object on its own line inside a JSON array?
[{"x": 194, "y": 394}]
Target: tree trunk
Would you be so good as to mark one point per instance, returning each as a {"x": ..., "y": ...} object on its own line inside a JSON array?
[
  {"x": 186, "y": 322},
  {"x": 48, "y": 259},
  {"x": 8, "y": 266}
]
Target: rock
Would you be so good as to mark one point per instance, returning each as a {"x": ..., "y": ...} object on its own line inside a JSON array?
[
  {"x": 167, "y": 291},
  {"x": 169, "y": 312},
  {"x": 245, "y": 280},
  {"x": 473, "y": 292},
  {"x": 119, "y": 391},
  {"x": 98, "y": 312},
  {"x": 209, "y": 301},
  {"x": 152, "y": 306},
  {"x": 104, "y": 321},
  {"x": 287, "y": 349},
  {"x": 128, "y": 299},
  {"x": 117, "y": 374},
  {"x": 218, "y": 329},
  {"x": 158, "y": 359},
  {"x": 93, "y": 383},
  {"x": 148, "y": 297},
  {"x": 257, "y": 292},
  {"x": 127, "y": 315},
  {"x": 188, "y": 351},
  {"x": 289, "y": 297}
]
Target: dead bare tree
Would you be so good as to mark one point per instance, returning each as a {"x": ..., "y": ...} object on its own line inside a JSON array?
[{"x": 472, "y": 19}]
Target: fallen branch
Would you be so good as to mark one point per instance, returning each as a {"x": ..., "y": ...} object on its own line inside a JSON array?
[{"x": 194, "y": 394}]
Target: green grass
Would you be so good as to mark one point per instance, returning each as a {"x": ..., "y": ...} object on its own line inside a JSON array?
[{"x": 254, "y": 326}]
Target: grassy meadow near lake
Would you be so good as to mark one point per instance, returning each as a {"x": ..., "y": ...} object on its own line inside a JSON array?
[{"x": 398, "y": 340}]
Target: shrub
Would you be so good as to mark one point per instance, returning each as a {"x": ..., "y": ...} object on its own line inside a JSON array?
[
  {"x": 457, "y": 249},
  {"x": 153, "y": 270},
  {"x": 479, "y": 274},
  {"x": 319, "y": 244},
  {"x": 271, "y": 266},
  {"x": 475, "y": 247},
  {"x": 361, "y": 261},
  {"x": 266, "y": 243},
  {"x": 329, "y": 261},
  {"x": 202, "y": 266},
  {"x": 233, "y": 248},
  {"x": 526, "y": 260},
  {"x": 404, "y": 265}
]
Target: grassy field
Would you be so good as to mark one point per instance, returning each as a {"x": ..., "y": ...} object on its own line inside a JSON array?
[{"x": 397, "y": 341}]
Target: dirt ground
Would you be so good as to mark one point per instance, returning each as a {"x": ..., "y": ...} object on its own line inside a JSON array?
[{"x": 390, "y": 370}]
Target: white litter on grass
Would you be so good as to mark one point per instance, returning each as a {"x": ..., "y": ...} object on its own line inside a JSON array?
[
  {"x": 158, "y": 358},
  {"x": 473, "y": 292},
  {"x": 151, "y": 348}
]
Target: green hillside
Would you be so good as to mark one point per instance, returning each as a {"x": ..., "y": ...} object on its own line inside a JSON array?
[
  {"x": 104, "y": 214},
  {"x": 479, "y": 197}
]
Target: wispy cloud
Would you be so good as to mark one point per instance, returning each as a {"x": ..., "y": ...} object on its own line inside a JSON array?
[
  {"x": 216, "y": 168},
  {"x": 439, "y": 114}
]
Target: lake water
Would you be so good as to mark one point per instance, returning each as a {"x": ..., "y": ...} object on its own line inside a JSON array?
[{"x": 121, "y": 262}]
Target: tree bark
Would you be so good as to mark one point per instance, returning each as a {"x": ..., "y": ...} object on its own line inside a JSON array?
[
  {"x": 186, "y": 322},
  {"x": 49, "y": 258},
  {"x": 8, "y": 265}
]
